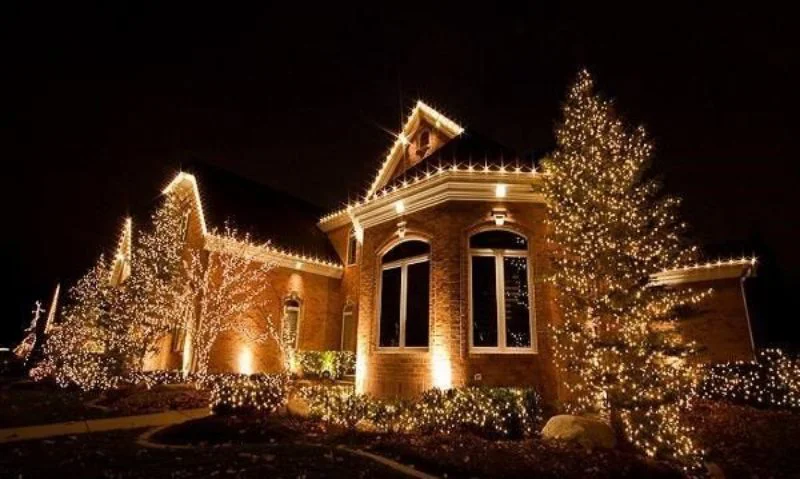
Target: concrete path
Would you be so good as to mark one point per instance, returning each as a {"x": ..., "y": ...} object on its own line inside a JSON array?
[{"x": 96, "y": 425}]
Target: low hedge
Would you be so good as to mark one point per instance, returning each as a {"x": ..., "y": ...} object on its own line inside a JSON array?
[
  {"x": 246, "y": 393},
  {"x": 771, "y": 381},
  {"x": 489, "y": 412}
]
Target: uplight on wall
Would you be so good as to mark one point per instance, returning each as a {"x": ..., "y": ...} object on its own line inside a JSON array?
[
  {"x": 245, "y": 361},
  {"x": 442, "y": 373}
]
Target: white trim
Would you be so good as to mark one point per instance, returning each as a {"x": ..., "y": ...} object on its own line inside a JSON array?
[
  {"x": 735, "y": 268},
  {"x": 429, "y": 190},
  {"x": 499, "y": 254},
  {"x": 403, "y": 264},
  {"x": 421, "y": 111},
  {"x": 293, "y": 297}
]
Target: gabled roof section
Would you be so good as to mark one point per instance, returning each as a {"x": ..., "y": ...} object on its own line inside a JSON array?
[
  {"x": 421, "y": 114},
  {"x": 288, "y": 223}
]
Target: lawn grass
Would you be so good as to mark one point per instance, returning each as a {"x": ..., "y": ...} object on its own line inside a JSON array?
[{"x": 25, "y": 403}]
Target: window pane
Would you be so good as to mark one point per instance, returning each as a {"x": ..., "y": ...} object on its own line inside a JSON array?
[
  {"x": 351, "y": 250},
  {"x": 518, "y": 330},
  {"x": 390, "y": 308},
  {"x": 498, "y": 239},
  {"x": 484, "y": 302},
  {"x": 407, "y": 249},
  {"x": 417, "y": 304},
  {"x": 291, "y": 325}
]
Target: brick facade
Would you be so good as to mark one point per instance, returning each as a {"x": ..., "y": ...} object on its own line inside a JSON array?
[{"x": 447, "y": 228}]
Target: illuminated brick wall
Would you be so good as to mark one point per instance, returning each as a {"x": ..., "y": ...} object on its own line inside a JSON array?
[{"x": 448, "y": 361}]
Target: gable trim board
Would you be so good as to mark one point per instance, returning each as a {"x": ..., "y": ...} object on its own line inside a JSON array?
[{"x": 420, "y": 111}]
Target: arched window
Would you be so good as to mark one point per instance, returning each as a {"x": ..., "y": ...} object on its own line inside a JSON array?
[
  {"x": 348, "y": 329},
  {"x": 352, "y": 245},
  {"x": 404, "y": 296},
  {"x": 424, "y": 143},
  {"x": 500, "y": 310},
  {"x": 291, "y": 322}
]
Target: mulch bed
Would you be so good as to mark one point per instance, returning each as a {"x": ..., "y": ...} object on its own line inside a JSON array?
[
  {"x": 749, "y": 442},
  {"x": 240, "y": 429},
  {"x": 136, "y": 400}
]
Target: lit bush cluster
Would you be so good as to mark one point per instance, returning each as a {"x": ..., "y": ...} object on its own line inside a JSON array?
[
  {"x": 326, "y": 364},
  {"x": 490, "y": 412},
  {"x": 771, "y": 381},
  {"x": 240, "y": 392}
]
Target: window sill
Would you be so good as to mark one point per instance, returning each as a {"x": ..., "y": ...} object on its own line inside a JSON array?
[
  {"x": 486, "y": 351},
  {"x": 420, "y": 350}
]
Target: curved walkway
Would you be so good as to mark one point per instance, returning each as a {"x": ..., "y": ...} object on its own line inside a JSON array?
[{"x": 96, "y": 425}]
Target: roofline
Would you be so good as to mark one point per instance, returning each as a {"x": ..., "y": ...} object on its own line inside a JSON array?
[
  {"x": 713, "y": 270},
  {"x": 459, "y": 170},
  {"x": 284, "y": 258},
  {"x": 440, "y": 121}
]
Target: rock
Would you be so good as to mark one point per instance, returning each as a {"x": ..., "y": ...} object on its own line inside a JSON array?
[
  {"x": 588, "y": 432},
  {"x": 297, "y": 406}
]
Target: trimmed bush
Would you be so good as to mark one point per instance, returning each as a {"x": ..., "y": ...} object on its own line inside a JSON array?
[
  {"x": 489, "y": 412},
  {"x": 242, "y": 393},
  {"x": 326, "y": 364}
]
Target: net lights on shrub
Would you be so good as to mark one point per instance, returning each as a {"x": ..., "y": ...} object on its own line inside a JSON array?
[
  {"x": 494, "y": 412},
  {"x": 258, "y": 392},
  {"x": 772, "y": 380}
]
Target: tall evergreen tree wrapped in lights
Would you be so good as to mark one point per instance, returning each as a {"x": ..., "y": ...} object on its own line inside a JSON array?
[{"x": 610, "y": 230}]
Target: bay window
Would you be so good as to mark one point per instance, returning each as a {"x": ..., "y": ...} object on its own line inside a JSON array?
[
  {"x": 500, "y": 309},
  {"x": 404, "y": 296}
]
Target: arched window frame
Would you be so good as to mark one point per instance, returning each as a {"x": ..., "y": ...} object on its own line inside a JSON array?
[
  {"x": 499, "y": 254},
  {"x": 403, "y": 264},
  {"x": 293, "y": 297}
]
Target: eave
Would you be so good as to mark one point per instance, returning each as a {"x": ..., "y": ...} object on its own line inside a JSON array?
[{"x": 711, "y": 271}]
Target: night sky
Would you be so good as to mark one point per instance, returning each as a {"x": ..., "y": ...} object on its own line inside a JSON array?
[{"x": 100, "y": 106}]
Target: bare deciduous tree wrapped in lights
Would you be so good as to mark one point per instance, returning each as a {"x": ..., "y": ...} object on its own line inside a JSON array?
[
  {"x": 609, "y": 231},
  {"x": 226, "y": 285}
]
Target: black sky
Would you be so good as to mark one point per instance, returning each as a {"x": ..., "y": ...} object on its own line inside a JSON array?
[{"x": 101, "y": 105}]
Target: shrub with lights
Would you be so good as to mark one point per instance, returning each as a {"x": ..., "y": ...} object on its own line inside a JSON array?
[
  {"x": 771, "y": 381},
  {"x": 326, "y": 364},
  {"x": 230, "y": 393},
  {"x": 489, "y": 412}
]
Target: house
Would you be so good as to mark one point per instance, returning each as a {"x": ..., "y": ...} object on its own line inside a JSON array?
[{"x": 435, "y": 278}]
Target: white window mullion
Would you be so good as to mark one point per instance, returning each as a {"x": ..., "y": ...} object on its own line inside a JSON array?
[
  {"x": 499, "y": 294},
  {"x": 403, "y": 301}
]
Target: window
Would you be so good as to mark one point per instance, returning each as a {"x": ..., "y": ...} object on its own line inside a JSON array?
[
  {"x": 291, "y": 322},
  {"x": 352, "y": 244},
  {"x": 424, "y": 143},
  {"x": 499, "y": 295},
  {"x": 348, "y": 329},
  {"x": 404, "y": 296}
]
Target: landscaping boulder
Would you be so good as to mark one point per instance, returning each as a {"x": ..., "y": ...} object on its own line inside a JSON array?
[
  {"x": 588, "y": 432},
  {"x": 297, "y": 406}
]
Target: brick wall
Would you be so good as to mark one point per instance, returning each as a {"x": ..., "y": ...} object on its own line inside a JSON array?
[
  {"x": 720, "y": 323},
  {"x": 447, "y": 227}
]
